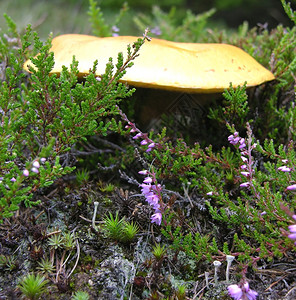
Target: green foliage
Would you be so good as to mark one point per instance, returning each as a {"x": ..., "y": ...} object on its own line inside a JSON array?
[
  {"x": 181, "y": 292},
  {"x": 113, "y": 226},
  {"x": 44, "y": 116},
  {"x": 97, "y": 21},
  {"x": 65, "y": 240},
  {"x": 235, "y": 107},
  {"x": 55, "y": 241},
  {"x": 7, "y": 263},
  {"x": 192, "y": 28},
  {"x": 119, "y": 229},
  {"x": 159, "y": 251},
  {"x": 33, "y": 286},
  {"x": 80, "y": 295},
  {"x": 82, "y": 177},
  {"x": 289, "y": 11},
  {"x": 45, "y": 266},
  {"x": 130, "y": 230}
]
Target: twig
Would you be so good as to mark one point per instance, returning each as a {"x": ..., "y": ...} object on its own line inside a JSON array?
[{"x": 77, "y": 259}]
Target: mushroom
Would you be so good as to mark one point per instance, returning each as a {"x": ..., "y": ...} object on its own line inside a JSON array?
[{"x": 189, "y": 68}]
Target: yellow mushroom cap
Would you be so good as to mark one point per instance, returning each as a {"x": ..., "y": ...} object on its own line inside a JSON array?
[{"x": 187, "y": 67}]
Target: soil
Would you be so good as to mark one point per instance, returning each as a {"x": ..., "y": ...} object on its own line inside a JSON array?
[{"x": 106, "y": 268}]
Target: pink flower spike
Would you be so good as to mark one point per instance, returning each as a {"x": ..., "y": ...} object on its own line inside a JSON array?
[
  {"x": 26, "y": 173},
  {"x": 245, "y": 184},
  {"x": 291, "y": 187},
  {"x": 151, "y": 145},
  {"x": 244, "y": 159},
  {"x": 284, "y": 169},
  {"x": 243, "y": 167},
  {"x": 144, "y": 142}
]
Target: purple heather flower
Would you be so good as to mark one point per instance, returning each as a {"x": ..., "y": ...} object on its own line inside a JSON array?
[
  {"x": 291, "y": 187},
  {"x": 234, "y": 138},
  {"x": 138, "y": 135},
  {"x": 144, "y": 142},
  {"x": 35, "y": 170},
  {"x": 245, "y": 184},
  {"x": 292, "y": 229},
  {"x": 244, "y": 159},
  {"x": 235, "y": 291},
  {"x": 115, "y": 30},
  {"x": 144, "y": 172},
  {"x": 145, "y": 188},
  {"x": 43, "y": 159},
  {"x": 284, "y": 169},
  {"x": 148, "y": 180},
  {"x": 156, "y": 30},
  {"x": 13, "y": 179},
  {"x": 36, "y": 164},
  {"x": 284, "y": 161},
  {"x": 243, "y": 167},
  {"x": 247, "y": 174},
  {"x": 244, "y": 292},
  {"x": 210, "y": 193},
  {"x": 156, "y": 218},
  {"x": 153, "y": 200},
  {"x": 26, "y": 173},
  {"x": 242, "y": 143}
]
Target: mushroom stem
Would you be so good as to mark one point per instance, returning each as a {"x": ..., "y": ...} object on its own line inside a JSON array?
[
  {"x": 96, "y": 203},
  {"x": 216, "y": 264},
  {"x": 207, "y": 279},
  {"x": 186, "y": 192},
  {"x": 229, "y": 259}
]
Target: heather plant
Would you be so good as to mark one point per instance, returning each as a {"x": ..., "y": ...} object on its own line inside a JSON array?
[{"x": 43, "y": 117}]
